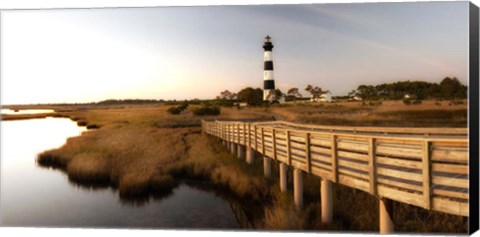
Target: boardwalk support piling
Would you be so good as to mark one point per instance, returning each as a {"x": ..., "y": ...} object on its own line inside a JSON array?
[
  {"x": 298, "y": 188},
  {"x": 233, "y": 148},
  {"x": 267, "y": 167},
  {"x": 283, "y": 177},
  {"x": 326, "y": 200},
  {"x": 250, "y": 155},
  {"x": 386, "y": 215},
  {"x": 241, "y": 151}
]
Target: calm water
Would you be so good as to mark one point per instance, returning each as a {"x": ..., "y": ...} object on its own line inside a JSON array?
[
  {"x": 35, "y": 196},
  {"x": 27, "y": 111}
]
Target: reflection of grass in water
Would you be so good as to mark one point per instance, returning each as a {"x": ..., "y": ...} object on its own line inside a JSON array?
[{"x": 141, "y": 150}]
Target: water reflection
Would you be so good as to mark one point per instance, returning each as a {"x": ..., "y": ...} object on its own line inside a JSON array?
[
  {"x": 26, "y": 111},
  {"x": 35, "y": 196}
]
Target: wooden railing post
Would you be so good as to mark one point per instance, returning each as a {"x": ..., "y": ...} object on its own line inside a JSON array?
[
  {"x": 255, "y": 138},
  {"x": 238, "y": 133},
  {"x": 250, "y": 151},
  {"x": 267, "y": 164},
  {"x": 245, "y": 134},
  {"x": 334, "y": 158},
  {"x": 371, "y": 166},
  {"x": 289, "y": 156},
  {"x": 274, "y": 145},
  {"x": 307, "y": 153},
  {"x": 426, "y": 174}
]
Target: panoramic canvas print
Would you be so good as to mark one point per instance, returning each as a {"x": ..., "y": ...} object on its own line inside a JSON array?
[{"x": 305, "y": 117}]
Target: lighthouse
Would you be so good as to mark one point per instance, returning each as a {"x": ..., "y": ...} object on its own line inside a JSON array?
[{"x": 268, "y": 79}]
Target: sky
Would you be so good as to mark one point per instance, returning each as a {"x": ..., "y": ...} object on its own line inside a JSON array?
[{"x": 88, "y": 55}]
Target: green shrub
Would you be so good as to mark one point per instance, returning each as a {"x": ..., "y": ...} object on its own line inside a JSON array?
[
  {"x": 207, "y": 110},
  {"x": 407, "y": 101},
  {"x": 456, "y": 102},
  {"x": 178, "y": 109},
  {"x": 417, "y": 102},
  {"x": 174, "y": 110}
]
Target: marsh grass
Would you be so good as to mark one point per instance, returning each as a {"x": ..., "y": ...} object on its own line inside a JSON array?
[
  {"x": 389, "y": 113},
  {"x": 144, "y": 150}
]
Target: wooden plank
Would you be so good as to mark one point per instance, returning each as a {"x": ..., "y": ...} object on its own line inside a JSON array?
[
  {"x": 324, "y": 158},
  {"x": 451, "y": 194},
  {"x": 267, "y": 131},
  {"x": 279, "y": 141},
  {"x": 450, "y": 181},
  {"x": 334, "y": 157},
  {"x": 282, "y": 157},
  {"x": 395, "y": 141},
  {"x": 299, "y": 165},
  {"x": 298, "y": 152},
  {"x": 297, "y": 138},
  {"x": 307, "y": 153},
  {"x": 426, "y": 174},
  {"x": 297, "y": 158},
  {"x": 352, "y": 145},
  {"x": 404, "y": 185},
  {"x": 324, "y": 174},
  {"x": 352, "y": 173},
  {"x": 400, "y": 174},
  {"x": 353, "y": 182},
  {"x": 450, "y": 155},
  {"x": 399, "y": 151},
  {"x": 398, "y": 162},
  {"x": 353, "y": 155},
  {"x": 321, "y": 141},
  {"x": 450, "y": 206},
  {"x": 400, "y": 196},
  {"x": 371, "y": 166},
  {"x": 300, "y": 146},
  {"x": 383, "y": 130},
  {"x": 353, "y": 165},
  {"x": 321, "y": 165},
  {"x": 268, "y": 139},
  {"x": 268, "y": 153},
  {"x": 281, "y": 136},
  {"x": 450, "y": 168},
  {"x": 319, "y": 149}
]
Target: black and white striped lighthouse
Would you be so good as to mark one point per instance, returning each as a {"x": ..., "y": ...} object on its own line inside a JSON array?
[{"x": 268, "y": 79}]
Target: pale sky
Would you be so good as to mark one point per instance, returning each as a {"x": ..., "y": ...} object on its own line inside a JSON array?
[{"x": 87, "y": 55}]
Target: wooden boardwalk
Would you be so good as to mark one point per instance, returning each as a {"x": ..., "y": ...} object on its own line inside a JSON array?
[{"x": 424, "y": 167}]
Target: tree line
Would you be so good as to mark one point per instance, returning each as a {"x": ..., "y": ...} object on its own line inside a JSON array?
[{"x": 448, "y": 88}]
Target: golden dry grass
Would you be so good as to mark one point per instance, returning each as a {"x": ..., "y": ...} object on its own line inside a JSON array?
[
  {"x": 142, "y": 148},
  {"x": 389, "y": 113}
]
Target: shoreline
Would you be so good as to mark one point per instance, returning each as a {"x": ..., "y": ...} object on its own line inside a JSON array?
[{"x": 143, "y": 149}]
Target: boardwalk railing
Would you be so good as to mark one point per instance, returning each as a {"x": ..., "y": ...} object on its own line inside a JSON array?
[{"x": 424, "y": 167}]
